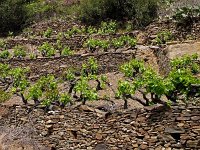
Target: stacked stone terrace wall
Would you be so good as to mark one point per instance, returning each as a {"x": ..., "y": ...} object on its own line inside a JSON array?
[
  {"x": 138, "y": 129},
  {"x": 178, "y": 128},
  {"x": 108, "y": 62}
]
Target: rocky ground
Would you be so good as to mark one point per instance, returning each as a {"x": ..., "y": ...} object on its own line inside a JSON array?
[{"x": 101, "y": 125}]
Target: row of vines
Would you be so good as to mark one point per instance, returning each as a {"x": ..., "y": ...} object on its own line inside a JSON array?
[
  {"x": 51, "y": 49},
  {"x": 182, "y": 83}
]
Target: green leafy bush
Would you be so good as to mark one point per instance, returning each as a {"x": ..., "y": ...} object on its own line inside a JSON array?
[
  {"x": 73, "y": 31},
  {"x": 13, "y": 15},
  {"x": 19, "y": 51},
  {"x": 66, "y": 51},
  {"x": 47, "y": 50},
  {"x": 48, "y": 33},
  {"x": 124, "y": 40},
  {"x": 4, "y": 96},
  {"x": 3, "y": 44},
  {"x": 4, "y": 54},
  {"x": 185, "y": 16},
  {"x": 85, "y": 90},
  {"x": 93, "y": 44},
  {"x": 91, "y": 30},
  {"x": 14, "y": 79},
  {"x": 80, "y": 84},
  {"x": 108, "y": 27},
  {"x": 41, "y": 9},
  {"x": 64, "y": 99},
  {"x": 44, "y": 91},
  {"x": 96, "y": 11},
  {"x": 35, "y": 93},
  {"x": 163, "y": 37}
]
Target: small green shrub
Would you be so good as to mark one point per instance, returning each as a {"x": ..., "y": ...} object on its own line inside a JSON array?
[
  {"x": 108, "y": 27},
  {"x": 92, "y": 44},
  {"x": 118, "y": 43},
  {"x": 33, "y": 56},
  {"x": 48, "y": 33},
  {"x": 3, "y": 44},
  {"x": 122, "y": 41},
  {"x": 19, "y": 51},
  {"x": 66, "y": 51},
  {"x": 4, "y": 54},
  {"x": 64, "y": 99},
  {"x": 41, "y": 9},
  {"x": 73, "y": 31},
  {"x": 47, "y": 50},
  {"x": 163, "y": 37},
  {"x": 4, "y": 96},
  {"x": 91, "y": 30}
]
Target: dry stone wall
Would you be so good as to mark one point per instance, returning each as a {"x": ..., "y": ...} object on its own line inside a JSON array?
[
  {"x": 74, "y": 42},
  {"x": 89, "y": 128},
  {"x": 108, "y": 62},
  {"x": 179, "y": 34}
]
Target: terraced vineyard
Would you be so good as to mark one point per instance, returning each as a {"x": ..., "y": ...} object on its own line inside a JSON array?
[{"x": 72, "y": 86}]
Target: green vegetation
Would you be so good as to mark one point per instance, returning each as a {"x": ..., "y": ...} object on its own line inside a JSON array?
[
  {"x": 163, "y": 37},
  {"x": 19, "y": 51},
  {"x": 13, "y": 16},
  {"x": 64, "y": 99},
  {"x": 48, "y": 33},
  {"x": 122, "y": 41},
  {"x": 181, "y": 81},
  {"x": 93, "y": 44},
  {"x": 80, "y": 86},
  {"x": 19, "y": 82},
  {"x": 3, "y": 44},
  {"x": 41, "y": 9},
  {"x": 47, "y": 50},
  {"x": 73, "y": 31},
  {"x": 20, "y": 13},
  {"x": 180, "y": 84},
  {"x": 186, "y": 16},
  {"x": 104, "y": 28},
  {"x": 4, "y": 54},
  {"x": 143, "y": 12},
  {"x": 108, "y": 27},
  {"x": 66, "y": 51},
  {"x": 4, "y": 96}
]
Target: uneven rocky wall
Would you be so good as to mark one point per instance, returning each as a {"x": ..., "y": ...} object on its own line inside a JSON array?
[
  {"x": 88, "y": 128},
  {"x": 74, "y": 42},
  {"x": 179, "y": 33},
  {"x": 107, "y": 62}
]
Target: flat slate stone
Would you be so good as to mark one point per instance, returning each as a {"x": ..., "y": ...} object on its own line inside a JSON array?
[
  {"x": 101, "y": 146},
  {"x": 174, "y": 130}
]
